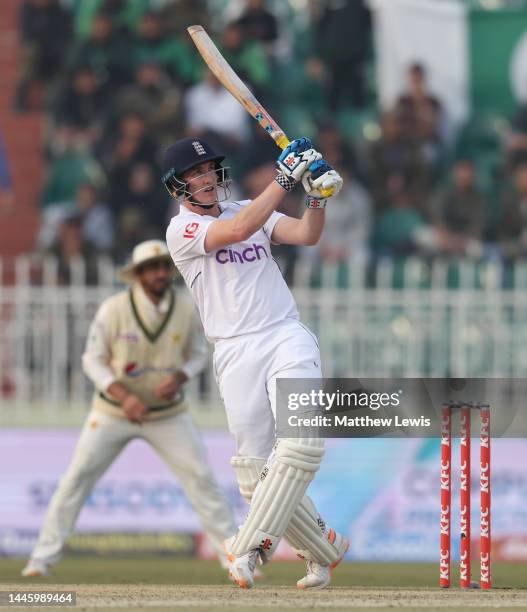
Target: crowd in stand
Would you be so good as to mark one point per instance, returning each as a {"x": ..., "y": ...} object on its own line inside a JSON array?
[{"x": 120, "y": 81}]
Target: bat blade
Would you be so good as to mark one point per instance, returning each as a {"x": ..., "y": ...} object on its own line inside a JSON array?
[{"x": 221, "y": 69}]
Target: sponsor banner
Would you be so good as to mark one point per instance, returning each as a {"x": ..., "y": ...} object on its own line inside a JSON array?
[
  {"x": 509, "y": 548},
  {"x": 137, "y": 493},
  {"x": 20, "y": 543},
  {"x": 385, "y": 494},
  {"x": 174, "y": 544},
  {"x": 382, "y": 493},
  {"x": 17, "y": 542}
]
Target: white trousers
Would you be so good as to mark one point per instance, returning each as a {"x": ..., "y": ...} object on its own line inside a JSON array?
[
  {"x": 103, "y": 437},
  {"x": 246, "y": 370}
]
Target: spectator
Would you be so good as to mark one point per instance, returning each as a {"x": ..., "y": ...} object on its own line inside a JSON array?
[
  {"x": 125, "y": 14},
  {"x": 97, "y": 222},
  {"x": 422, "y": 118},
  {"x": 300, "y": 70},
  {"x": 458, "y": 212},
  {"x": 400, "y": 229},
  {"x": 342, "y": 32},
  {"x": 348, "y": 226},
  {"x": 82, "y": 103},
  {"x": 72, "y": 251},
  {"x": 144, "y": 193},
  {"x": 120, "y": 153},
  {"x": 257, "y": 22},
  {"x": 337, "y": 151},
  {"x": 347, "y": 232},
  {"x": 177, "y": 16},
  {"x": 71, "y": 165},
  {"x": 130, "y": 229},
  {"x": 212, "y": 112},
  {"x": 154, "y": 97},
  {"x": 107, "y": 52},
  {"x": 138, "y": 204},
  {"x": 46, "y": 32},
  {"x": 247, "y": 57},
  {"x": 512, "y": 225},
  {"x": 419, "y": 110},
  {"x": 153, "y": 46},
  {"x": 395, "y": 153},
  {"x": 256, "y": 151},
  {"x": 131, "y": 143}
]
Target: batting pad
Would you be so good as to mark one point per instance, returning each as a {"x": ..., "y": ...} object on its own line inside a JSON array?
[
  {"x": 306, "y": 531},
  {"x": 283, "y": 482},
  {"x": 247, "y": 470}
]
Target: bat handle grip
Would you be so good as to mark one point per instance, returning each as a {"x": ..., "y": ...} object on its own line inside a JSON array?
[{"x": 281, "y": 140}]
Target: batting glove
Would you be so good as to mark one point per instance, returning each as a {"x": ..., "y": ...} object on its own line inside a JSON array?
[
  {"x": 294, "y": 160},
  {"x": 321, "y": 180}
]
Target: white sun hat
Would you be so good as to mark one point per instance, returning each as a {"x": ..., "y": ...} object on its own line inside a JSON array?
[{"x": 149, "y": 250}]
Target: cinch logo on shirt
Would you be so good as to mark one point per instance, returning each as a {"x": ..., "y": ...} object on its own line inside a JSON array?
[{"x": 249, "y": 254}]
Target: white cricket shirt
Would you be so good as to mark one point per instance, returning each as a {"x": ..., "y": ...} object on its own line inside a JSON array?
[{"x": 238, "y": 289}]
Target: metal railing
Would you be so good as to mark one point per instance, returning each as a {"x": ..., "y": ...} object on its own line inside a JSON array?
[
  {"x": 363, "y": 331},
  {"x": 385, "y": 273}
]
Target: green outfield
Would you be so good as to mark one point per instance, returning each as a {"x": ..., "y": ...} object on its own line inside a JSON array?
[
  {"x": 162, "y": 570},
  {"x": 163, "y": 583}
]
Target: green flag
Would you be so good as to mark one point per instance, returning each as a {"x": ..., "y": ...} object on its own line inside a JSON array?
[
  {"x": 476, "y": 60},
  {"x": 498, "y": 59}
]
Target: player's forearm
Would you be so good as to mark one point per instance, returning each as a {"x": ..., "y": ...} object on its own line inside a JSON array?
[
  {"x": 97, "y": 370},
  {"x": 311, "y": 226},
  {"x": 119, "y": 391},
  {"x": 253, "y": 217},
  {"x": 96, "y": 356}
]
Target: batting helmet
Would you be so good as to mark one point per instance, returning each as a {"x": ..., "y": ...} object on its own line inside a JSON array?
[{"x": 184, "y": 155}]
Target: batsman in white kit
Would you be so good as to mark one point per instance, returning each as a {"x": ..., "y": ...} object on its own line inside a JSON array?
[
  {"x": 223, "y": 251},
  {"x": 143, "y": 345}
]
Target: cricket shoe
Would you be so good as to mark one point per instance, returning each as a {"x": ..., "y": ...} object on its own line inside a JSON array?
[
  {"x": 319, "y": 576},
  {"x": 34, "y": 569},
  {"x": 257, "y": 575},
  {"x": 242, "y": 568}
]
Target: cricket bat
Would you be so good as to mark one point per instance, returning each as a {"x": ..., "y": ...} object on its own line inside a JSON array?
[{"x": 221, "y": 69}]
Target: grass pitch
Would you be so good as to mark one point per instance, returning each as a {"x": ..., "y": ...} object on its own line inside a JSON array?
[{"x": 153, "y": 583}]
